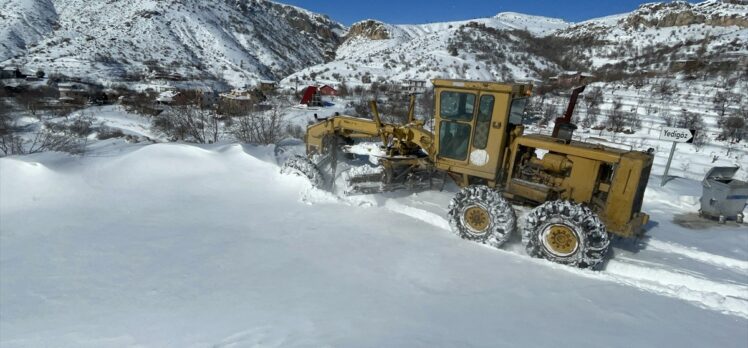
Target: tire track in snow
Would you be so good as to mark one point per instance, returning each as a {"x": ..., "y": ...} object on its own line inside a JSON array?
[
  {"x": 716, "y": 260},
  {"x": 418, "y": 214},
  {"x": 727, "y": 298},
  {"x": 723, "y": 297}
]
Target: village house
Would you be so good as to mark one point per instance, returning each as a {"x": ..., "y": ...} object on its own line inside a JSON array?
[
  {"x": 165, "y": 76},
  {"x": 166, "y": 98},
  {"x": 11, "y": 73},
  {"x": 688, "y": 64},
  {"x": 239, "y": 101},
  {"x": 328, "y": 91},
  {"x": 267, "y": 85},
  {"x": 414, "y": 86},
  {"x": 311, "y": 97},
  {"x": 74, "y": 93},
  {"x": 244, "y": 94},
  {"x": 174, "y": 97}
]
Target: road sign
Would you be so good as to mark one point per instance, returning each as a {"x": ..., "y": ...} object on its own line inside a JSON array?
[{"x": 678, "y": 135}]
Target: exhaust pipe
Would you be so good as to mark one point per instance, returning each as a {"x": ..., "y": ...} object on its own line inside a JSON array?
[{"x": 566, "y": 118}]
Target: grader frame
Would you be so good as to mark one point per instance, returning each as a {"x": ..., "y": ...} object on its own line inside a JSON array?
[{"x": 478, "y": 141}]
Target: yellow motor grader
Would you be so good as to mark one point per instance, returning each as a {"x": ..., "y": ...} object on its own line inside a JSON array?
[{"x": 580, "y": 192}]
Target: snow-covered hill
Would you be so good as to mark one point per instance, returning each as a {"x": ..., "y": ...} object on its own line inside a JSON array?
[
  {"x": 513, "y": 46},
  {"x": 228, "y": 40},
  {"x": 173, "y": 245},
  {"x": 23, "y": 23},
  {"x": 377, "y": 51},
  {"x": 656, "y": 34},
  {"x": 241, "y": 41}
]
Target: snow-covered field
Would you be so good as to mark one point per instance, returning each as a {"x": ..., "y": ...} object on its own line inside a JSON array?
[
  {"x": 175, "y": 245},
  {"x": 143, "y": 243}
]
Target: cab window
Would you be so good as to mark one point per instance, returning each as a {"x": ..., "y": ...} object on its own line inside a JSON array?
[
  {"x": 457, "y": 106},
  {"x": 453, "y": 140},
  {"x": 517, "y": 111},
  {"x": 483, "y": 124}
]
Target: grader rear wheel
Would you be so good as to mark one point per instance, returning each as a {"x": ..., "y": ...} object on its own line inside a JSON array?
[
  {"x": 481, "y": 214},
  {"x": 566, "y": 233}
]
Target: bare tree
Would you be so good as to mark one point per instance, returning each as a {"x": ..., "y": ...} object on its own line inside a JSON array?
[
  {"x": 594, "y": 98},
  {"x": 343, "y": 89},
  {"x": 29, "y": 101},
  {"x": 633, "y": 121},
  {"x": 5, "y": 119},
  {"x": 11, "y": 144},
  {"x": 733, "y": 129},
  {"x": 188, "y": 123},
  {"x": 425, "y": 104},
  {"x": 689, "y": 120},
  {"x": 549, "y": 114},
  {"x": 617, "y": 120},
  {"x": 720, "y": 103},
  {"x": 617, "y": 117},
  {"x": 260, "y": 127},
  {"x": 43, "y": 140},
  {"x": 591, "y": 118},
  {"x": 695, "y": 121},
  {"x": 665, "y": 88},
  {"x": 668, "y": 118}
]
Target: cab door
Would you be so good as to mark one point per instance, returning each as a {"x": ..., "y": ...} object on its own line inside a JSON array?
[
  {"x": 471, "y": 128},
  {"x": 456, "y": 113}
]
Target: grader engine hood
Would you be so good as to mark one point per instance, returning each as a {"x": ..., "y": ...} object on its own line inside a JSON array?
[{"x": 611, "y": 181}]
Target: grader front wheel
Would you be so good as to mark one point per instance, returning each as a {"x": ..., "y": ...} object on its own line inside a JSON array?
[
  {"x": 566, "y": 233},
  {"x": 481, "y": 214},
  {"x": 304, "y": 167}
]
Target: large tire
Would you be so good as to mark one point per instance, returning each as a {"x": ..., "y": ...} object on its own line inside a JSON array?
[
  {"x": 567, "y": 233},
  {"x": 479, "y": 213},
  {"x": 303, "y": 166}
]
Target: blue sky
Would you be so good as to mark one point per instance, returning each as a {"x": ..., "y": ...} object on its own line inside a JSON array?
[{"x": 425, "y": 11}]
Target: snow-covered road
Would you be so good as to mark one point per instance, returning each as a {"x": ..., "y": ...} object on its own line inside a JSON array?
[{"x": 174, "y": 245}]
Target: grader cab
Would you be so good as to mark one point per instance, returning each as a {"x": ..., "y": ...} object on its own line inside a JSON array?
[{"x": 580, "y": 192}]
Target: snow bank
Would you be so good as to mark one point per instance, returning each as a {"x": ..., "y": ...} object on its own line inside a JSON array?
[{"x": 172, "y": 245}]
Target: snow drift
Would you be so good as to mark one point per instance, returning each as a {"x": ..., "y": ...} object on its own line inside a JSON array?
[{"x": 187, "y": 246}]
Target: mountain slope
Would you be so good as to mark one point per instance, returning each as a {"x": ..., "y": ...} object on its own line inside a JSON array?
[
  {"x": 230, "y": 40},
  {"x": 375, "y": 50},
  {"x": 241, "y": 41},
  {"x": 652, "y": 36},
  {"x": 513, "y": 46},
  {"x": 23, "y": 23}
]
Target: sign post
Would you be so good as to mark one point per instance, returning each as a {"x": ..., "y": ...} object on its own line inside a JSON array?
[{"x": 676, "y": 135}]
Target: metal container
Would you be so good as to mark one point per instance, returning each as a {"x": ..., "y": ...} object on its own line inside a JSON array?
[{"x": 723, "y": 197}]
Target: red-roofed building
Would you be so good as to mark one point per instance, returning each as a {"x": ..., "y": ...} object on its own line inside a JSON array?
[{"x": 328, "y": 90}]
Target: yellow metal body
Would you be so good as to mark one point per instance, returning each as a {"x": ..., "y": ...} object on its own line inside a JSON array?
[
  {"x": 610, "y": 180},
  {"x": 407, "y": 136},
  {"x": 478, "y": 139}
]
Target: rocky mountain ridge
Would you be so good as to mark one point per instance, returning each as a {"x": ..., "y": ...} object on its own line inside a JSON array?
[
  {"x": 233, "y": 41},
  {"x": 238, "y": 42},
  {"x": 648, "y": 41}
]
